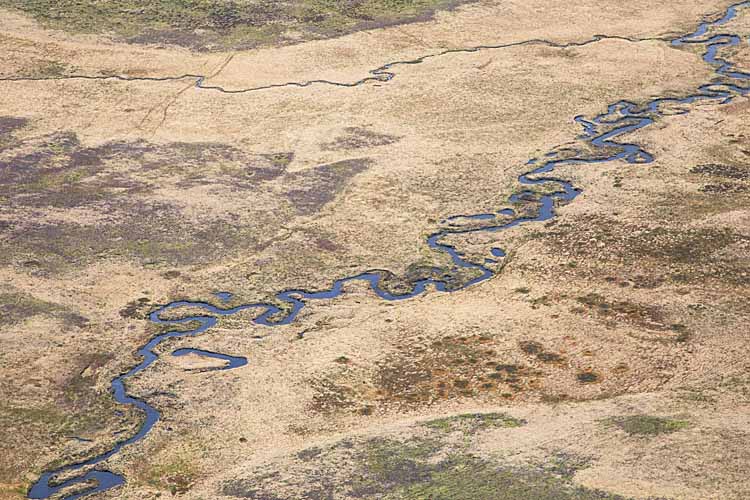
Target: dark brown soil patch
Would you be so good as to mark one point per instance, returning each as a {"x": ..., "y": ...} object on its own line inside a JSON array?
[
  {"x": 726, "y": 171},
  {"x": 320, "y": 185},
  {"x": 358, "y": 138}
]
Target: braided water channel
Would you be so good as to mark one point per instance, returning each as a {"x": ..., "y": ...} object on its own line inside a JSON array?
[{"x": 600, "y": 133}]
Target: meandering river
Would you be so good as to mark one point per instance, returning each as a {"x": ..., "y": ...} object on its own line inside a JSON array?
[{"x": 604, "y": 132}]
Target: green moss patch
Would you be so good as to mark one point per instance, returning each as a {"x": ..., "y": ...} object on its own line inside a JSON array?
[
  {"x": 415, "y": 468},
  {"x": 646, "y": 425},
  {"x": 388, "y": 464},
  {"x": 472, "y": 422},
  {"x": 177, "y": 476},
  {"x": 469, "y": 478},
  {"x": 217, "y": 24}
]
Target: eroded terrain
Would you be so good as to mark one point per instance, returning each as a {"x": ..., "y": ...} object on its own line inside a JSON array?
[{"x": 172, "y": 150}]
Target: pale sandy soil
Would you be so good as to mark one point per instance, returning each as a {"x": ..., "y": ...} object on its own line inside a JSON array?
[{"x": 118, "y": 196}]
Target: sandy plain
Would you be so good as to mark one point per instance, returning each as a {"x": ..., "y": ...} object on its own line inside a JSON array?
[{"x": 606, "y": 359}]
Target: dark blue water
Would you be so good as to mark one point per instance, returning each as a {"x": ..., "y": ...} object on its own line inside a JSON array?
[{"x": 602, "y": 131}]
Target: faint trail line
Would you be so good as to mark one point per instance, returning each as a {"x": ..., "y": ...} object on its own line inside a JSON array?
[
  {"x": 413, "y": 38},
  {"x": 484, "y": 65},
  {"x": 167, "y": 101},
  {"x": 185, "y": 89}
]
